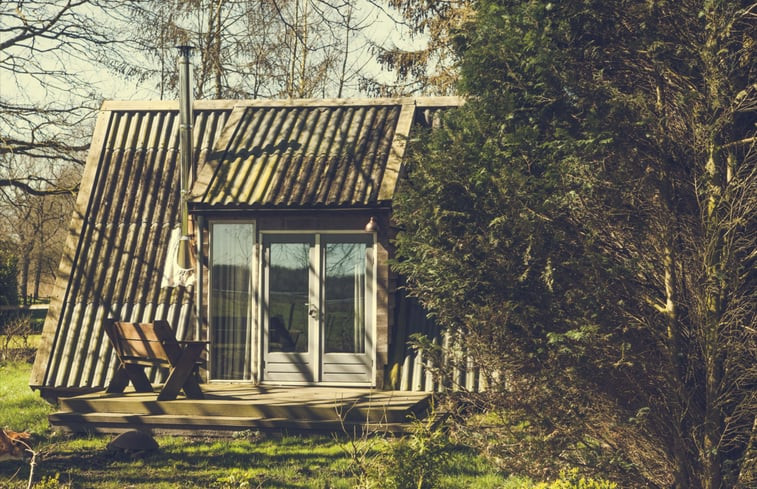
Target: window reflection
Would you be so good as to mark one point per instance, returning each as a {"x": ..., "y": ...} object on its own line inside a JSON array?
[
  {"x": 288, "y": 299},
  {"x": 344, "y": 297}
]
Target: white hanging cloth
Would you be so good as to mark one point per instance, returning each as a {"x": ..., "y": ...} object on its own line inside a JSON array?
[{"x": 173, "y": 274}]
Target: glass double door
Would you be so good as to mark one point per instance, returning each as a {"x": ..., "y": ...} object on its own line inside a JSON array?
[{"x": 317, "y": 308}]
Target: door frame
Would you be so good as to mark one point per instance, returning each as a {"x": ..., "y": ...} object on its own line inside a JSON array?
[
  {"x": 302, "y": 364},
  {"x": 316, "y": 340}
]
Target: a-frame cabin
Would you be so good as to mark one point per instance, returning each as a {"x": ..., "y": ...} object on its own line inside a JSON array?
[{"x": 290, "y": 218}]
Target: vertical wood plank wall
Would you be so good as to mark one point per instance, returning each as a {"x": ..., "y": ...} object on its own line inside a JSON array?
[{"x": 412, "y": 370}]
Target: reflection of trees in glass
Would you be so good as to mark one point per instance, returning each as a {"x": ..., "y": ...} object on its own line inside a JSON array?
[
  {"x": 340, "y": 303},
  {"x": 290, "y": 255},
  {"x": 344, "y": 297},
  {"x": 232, "y": 244},
  {"x": 288, "y": 296},
  {"x": 230, "y": 278}
]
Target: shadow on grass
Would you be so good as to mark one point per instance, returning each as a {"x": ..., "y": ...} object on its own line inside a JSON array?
[{"x": 187, "y": 463}]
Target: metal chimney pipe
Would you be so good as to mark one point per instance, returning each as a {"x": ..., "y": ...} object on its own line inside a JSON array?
[{"x": 185, "y": 150}]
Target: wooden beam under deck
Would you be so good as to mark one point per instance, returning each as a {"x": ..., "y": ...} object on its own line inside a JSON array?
[{"x": 228, "y": 408}]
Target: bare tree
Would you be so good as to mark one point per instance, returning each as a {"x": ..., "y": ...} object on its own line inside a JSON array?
[
  {"x": 49, "y": 53},
  {"x": 429, "y": 64},
  {"x": 253, "y": 49},
  {"x": 34, "y": 223}
]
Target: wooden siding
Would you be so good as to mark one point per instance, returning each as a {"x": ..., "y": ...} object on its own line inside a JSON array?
[{"x": 408, "y": 369}]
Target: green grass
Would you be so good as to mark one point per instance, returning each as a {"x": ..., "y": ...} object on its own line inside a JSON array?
[
  {"x": 31, "y": 341},
  {"x": 20, "y": 408},
  {"x": 316, "y": 462},
  {"x": 284, "y": 463}
]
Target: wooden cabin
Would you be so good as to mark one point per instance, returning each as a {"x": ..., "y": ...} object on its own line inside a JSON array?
[{"x": 291, "y": 231}]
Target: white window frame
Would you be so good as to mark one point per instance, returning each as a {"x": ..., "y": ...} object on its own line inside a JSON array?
[{"x": 371, "y": 316}]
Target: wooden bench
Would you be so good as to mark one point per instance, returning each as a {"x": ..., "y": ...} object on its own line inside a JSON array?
[{"x": 141, "y": 345}]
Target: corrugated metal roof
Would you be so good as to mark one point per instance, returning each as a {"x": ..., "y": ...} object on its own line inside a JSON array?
[
  {"x": 308, "y": 155},
  {"x": 114, "y": 258}
]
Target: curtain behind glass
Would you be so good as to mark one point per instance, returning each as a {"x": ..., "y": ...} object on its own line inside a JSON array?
[{"x": 230, "y": 300}]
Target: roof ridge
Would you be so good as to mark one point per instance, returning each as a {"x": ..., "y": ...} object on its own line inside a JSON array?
[{"x": 229, "y": 104}]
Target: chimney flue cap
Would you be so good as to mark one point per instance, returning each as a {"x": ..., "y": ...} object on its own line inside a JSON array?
[{"x": 185, "y": 49}]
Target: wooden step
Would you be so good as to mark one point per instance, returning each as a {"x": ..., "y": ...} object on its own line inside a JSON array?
[
  {"x": 232, "y": 407},
  {"x": 158, "y": 424},
  {"x": 305, "y": 409}
]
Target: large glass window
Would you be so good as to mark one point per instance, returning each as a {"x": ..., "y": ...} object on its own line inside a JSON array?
[
  {"x": 230, "y": 300},
  {"x": 344, "y": 297},
  {"x": 288, "y": 297}
]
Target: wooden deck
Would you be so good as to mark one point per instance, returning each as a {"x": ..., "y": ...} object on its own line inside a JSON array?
[{"x": 229, "y": 408}]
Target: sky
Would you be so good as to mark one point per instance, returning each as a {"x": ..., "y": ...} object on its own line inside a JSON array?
[{"x": 30, "y": 90}]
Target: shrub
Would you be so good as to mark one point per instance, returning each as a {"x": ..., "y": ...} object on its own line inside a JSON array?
[
  {"x": 14, "y": 340},
  {"x": 8, "y": 273},
  {"x": 417, "y": 461},
  {"x": 571, "y": 479}
]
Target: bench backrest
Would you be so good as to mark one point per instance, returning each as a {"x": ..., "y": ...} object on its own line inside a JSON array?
[{"x": 143, "y": 343}]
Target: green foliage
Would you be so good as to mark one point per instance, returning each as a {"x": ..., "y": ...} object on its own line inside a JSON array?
[
  {"x": 572, "y": 480},
  {"x": 417, "y": 461},
  {"x": 585, "y": 225},
  {"x": 8, "y": 277},
  {"x": 424, "y": 458},
  {"x": 237, "y": 478},
  {"x": 51, "y": 482}
]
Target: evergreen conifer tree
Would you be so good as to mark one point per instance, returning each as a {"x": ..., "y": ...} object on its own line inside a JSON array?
[{"x": 587, "y": 225}]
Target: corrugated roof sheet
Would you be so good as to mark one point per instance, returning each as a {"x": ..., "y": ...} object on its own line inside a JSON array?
[
  {"x": 114, "y": 258},
  {"x": 314, "y": 155}
]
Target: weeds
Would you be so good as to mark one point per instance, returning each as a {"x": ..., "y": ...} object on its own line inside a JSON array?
[
  {"x": 14, "y": 340},
  {"x": 414, "y": 461},
  {"x": 362, "y": 448},
  {"x": 418, "y": 460}
]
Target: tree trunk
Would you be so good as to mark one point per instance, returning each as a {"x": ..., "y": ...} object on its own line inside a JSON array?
[
  {"x": 674, "y": 344},
  {"x": 38, "y": 273},
  {"x": 24, "y": 282},
  {"x": 217, "y": 68},
  {"x": 712, "y": 351}
]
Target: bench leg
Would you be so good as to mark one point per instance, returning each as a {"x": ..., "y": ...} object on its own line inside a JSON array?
[
  {"x": 192, "y": 388},
  {"x": 181, "y": 376},
  {"x": 119, "y": 382},
  {"x": 127, "y": 373},
  {"x": 138, "y": 378}
]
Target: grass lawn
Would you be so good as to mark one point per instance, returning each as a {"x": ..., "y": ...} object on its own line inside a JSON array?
[
  {"x": 21, "y": 409},
  {"x": 241, "y": 462},
  {"x": 31, "y": 341}
]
